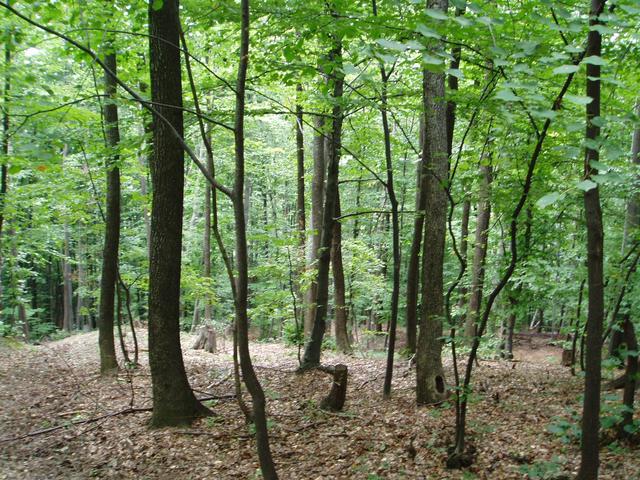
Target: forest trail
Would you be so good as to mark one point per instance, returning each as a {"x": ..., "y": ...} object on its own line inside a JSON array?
[{"x": 56, "y": 383}]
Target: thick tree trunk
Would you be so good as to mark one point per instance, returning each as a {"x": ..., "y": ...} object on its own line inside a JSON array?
[
  {"x": 317, "y": 197},
  {"x": 480, "y": 250},
  {"x": 338, "y": 394},
  {"x": 173, "y": 401},
  {"x": 340, "y": 307},
  {"x": 430, "y": 380},
  {"x": 590, "y": 460},
  {"x": 314, "y": 346}
]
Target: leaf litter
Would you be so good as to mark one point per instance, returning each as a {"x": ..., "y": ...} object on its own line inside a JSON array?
[{"x": 57, "y": 385}]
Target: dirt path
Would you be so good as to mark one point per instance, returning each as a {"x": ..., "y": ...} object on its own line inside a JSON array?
[{"x": 56, "y": 383}]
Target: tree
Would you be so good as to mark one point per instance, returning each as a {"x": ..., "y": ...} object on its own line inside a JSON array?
[
  {"x": 430, "y": 381},
  {"x": 590, "y": 446},
  {"x": 173, "y": 401},
  {"x": 336, "y": 75},
  {"x": 108, "y": 361}
]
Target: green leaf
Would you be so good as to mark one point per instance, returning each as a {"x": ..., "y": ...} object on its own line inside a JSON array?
[
  {"x": 455, "y": 72},
  {"x": 157, "y": 4},
  {"x": 578, "y": 99},
  {"x": 507, "y": 96},
  {"x": 427, "y": 32},
  {"x": 13, "y": 169},
  {"x": 566, "y": 69},
  {"x": 545, "y": 114},
  {"x": 586, "y": 185},
  {"x": 594, "y": 60},
  {"x": 431, "y": 60},
  {"x": 437, "y": 14},
  {"x": 598, "y": 165},
  {"x": 548, "y": 199},
  {"x": 391, "y": 44}
]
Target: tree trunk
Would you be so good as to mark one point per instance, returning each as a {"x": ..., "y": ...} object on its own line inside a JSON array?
[
  {"x": 67, "y": 289},
  {"x": 82, "y": 320},
  {"x": 338, "y": 394},
  {"x": 317, "y": 196},
  {"x": 341, "y": 311},
  {"x": 413, "y": 268},
  {"x": 6, "y": 124},
  {"x": 480, "y": 251},
  {"x": 173, "y": 401},
  {"x": 206, "y": 241},
  {"x": 590, "y": 460},
  {"x": 395, "y": 230},
  {"x": 108, "y": 362},
  {"x": 464, "y": 247},
  {"x": 249, "y": 376},
  {"x": 430, "y": 381},
  {"x": 314, "y": 346},
  {"x": 300, "y": 203}
]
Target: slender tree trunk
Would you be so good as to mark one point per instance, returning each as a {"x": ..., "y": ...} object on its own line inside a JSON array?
[
  {"x": 300, "y": 202},
  {"x": 395, "y": 229},
  {"x": 108, "y": 362},
  {"x": 413, "y": 267},
  {"x": 317, "y": 197},
  {"x": 67, "y": 288},
  {"x": 206, "y": 241},
  {"x": 6, "y": 124},
  {"x": 341, "y": 310},
  {"x": 173, "y": 401},
  {"x": 480, "y": 252},
  {"x": 430, "y": 381},
  {"x": 82, "y": 319},
  {"x": 590, "y": 461},
  {"x": 249, "y": 376},
  {"x": 314, "y": 346},
  {"x": 464, "y": 247}
]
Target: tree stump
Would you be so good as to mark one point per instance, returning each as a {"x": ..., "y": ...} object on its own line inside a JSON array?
[
  {"x": 206, "y": 339},
  {"x": 338, "y": 394}
]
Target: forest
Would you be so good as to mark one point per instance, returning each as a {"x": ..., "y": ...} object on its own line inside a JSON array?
[{"x": 319, "y": 240}]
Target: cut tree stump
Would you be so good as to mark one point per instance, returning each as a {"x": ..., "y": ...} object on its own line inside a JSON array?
[
  {"x": 338, "y": 394},
  {"x": 206, "y": 339}
]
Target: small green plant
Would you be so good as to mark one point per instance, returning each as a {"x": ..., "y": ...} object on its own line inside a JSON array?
[
  {"x": 568, "y": 430},
  {"x": 293, "y": 334},
  {"x": 543, "y": 470},
  {"x": 211, "y": 422}
]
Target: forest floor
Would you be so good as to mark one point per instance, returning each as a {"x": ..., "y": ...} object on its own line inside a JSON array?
[{"x": 511, "y": 412}]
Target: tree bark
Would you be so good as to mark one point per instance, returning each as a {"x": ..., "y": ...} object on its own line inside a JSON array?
[
  {"x": 300, "y": 202},
  {"x": 413, "y": 267},
  {"x": 249, "y": 376},
  {"x": 317, "y": 196},
  {"x": 430, "y": 380},
  {"x": 6, "y": 124},
  {"x": 108, "y": 279},
  {"x": 340, "y": 307},
  {"x": 314, "y": 346},
  {"x": 67, "y": 287},
  {"x": 481, "y": 242},
  {"x": 590, "y": 460},
  {"x": 480, "y": 250},
  {"x": 173, "y": 401}
]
